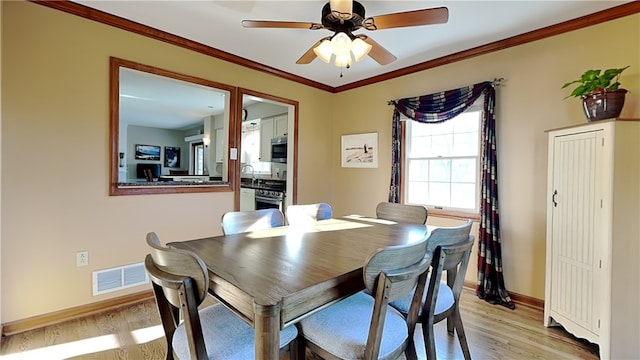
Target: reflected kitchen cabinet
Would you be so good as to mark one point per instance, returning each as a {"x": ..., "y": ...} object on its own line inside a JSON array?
[
  {"x": 280, "y": 125},
  {"x": 270, "y": 128}
]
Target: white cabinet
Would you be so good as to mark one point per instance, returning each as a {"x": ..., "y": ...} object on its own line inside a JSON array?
[
  {"x": 271, "y": 127},
  {"x": 280, "y": 125},
  {"x": 266, "y": 134},
  {"x": 247, "y": 199},
  {"x": 593, "y": 241}
]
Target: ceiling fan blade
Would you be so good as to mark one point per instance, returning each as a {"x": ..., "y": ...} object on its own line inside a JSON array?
[
  {"x": 438, "y": 15},
  {"x": 310, "y": 55},
  {"x": 281, "y": 24},
  {"x": 378, "y": 53}
]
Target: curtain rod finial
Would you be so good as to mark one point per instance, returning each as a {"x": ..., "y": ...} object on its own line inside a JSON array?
[
  {"x": 391, "y": 102},
  {"x": 497, "y": 82}
]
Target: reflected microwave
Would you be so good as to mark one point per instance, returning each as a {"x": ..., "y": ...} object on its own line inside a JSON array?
[{"x": 279, "y": 149}]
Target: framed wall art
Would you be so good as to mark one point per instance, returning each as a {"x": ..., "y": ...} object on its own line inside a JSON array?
[
  {"x": 147, "y": 152},
  {"x": 171, "y": 157},
  {"x": 360, "y": 150}
]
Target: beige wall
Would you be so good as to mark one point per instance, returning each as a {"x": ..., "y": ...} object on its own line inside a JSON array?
[
  {"x": 55, "y": 147},
  {"x": 55, "y": 140},
  {"x": 529, "y": 102}
]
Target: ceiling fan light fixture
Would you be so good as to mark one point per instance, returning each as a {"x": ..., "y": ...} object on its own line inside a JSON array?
[
  {"x": 341, "y": 9},
  {"x": 323, "y": 51},
  {"x": 341, "y": 44},
  {"x": 360, "y": 49}
]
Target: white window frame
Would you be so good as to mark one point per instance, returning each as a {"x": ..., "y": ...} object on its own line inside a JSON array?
[
  {"x": 476, "y": 107},
  {"x": 259, "y": 167}
]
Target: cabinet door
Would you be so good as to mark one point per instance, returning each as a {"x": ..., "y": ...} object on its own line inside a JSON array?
[
  {"x": 247, "y": 199},
  {"x": 266, "y": 134},
  {"x": 574, "y": 260},
  {"x": 280, "y": 125}
]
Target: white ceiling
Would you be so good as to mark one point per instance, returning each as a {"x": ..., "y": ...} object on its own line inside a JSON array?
[{"x": 218, "y": 24}]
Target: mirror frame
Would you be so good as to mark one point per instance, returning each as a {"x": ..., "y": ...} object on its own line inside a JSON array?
[
  {"x": 114, "y": 129},
  {"x": 238, "y": 136}
]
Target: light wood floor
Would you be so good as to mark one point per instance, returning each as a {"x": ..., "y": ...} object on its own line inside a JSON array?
[{"x": 133, "y": 332}]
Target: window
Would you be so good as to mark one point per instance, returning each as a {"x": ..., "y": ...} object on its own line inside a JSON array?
[
  {"x": 442, "y": 162},
  {"x": 197, "y": 149},
  {"x": 251, "y": 146}
]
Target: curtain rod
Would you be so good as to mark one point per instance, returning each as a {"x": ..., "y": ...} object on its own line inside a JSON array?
[
  {"x": 497, "y": 81},
  {"x": 494, "y": 83}
]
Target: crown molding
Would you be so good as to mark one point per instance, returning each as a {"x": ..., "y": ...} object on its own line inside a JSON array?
[{"x": 539, "y": 34}]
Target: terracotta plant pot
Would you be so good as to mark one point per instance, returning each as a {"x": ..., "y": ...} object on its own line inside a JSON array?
[{"x": 603, "y": 105}]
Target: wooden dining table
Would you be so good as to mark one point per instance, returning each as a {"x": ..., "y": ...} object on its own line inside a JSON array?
[{"x": 272, "y": 278}]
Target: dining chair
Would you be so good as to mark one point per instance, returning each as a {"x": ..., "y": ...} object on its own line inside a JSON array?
[
  {"x": 148, "y": 175},
  {"x": 445, "y": 296},
  {"x": 402, "y": 213},
  {"x": 234, "y": 222},
  {"x": 180, "y": 282},
  {"x": 366, "y": 327},
  {"x": 443, "y": 300},
  {"x": 308, "y": 213}
]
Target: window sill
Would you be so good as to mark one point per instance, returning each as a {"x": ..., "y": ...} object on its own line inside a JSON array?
[{"x": 458, "y": 215}]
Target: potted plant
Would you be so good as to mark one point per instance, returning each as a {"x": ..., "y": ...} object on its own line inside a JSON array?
[{"x": 601, "y": 96}]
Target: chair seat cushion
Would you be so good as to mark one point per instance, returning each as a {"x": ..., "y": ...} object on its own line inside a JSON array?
[
  {"x": 226, "y": 335},
  {"x": 342, "y": 328},
  {"x": 443, "y": 303}
]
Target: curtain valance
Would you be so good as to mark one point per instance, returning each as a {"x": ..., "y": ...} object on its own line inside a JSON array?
[{"x": 442, "y": 106}]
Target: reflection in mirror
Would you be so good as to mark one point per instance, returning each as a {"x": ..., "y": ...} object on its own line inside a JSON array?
[{"x": 169, "y": 131}]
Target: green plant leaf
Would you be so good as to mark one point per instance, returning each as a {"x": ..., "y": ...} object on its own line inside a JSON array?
[
  {"x": 569, "y": 83},
  {"x": 578, "y": 91},
  {"x": 592, "y": 80}
]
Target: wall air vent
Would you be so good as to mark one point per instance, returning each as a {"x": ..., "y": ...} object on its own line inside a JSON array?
[{"x": 119, "y": 278}]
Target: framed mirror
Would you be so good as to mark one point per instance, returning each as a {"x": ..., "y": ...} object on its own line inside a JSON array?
[{"x": 169, "y": 132}]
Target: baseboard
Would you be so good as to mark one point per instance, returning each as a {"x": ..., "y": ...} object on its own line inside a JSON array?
[
  {"x": 39, "y": 321},
  {"x": 525, "y": 300}
]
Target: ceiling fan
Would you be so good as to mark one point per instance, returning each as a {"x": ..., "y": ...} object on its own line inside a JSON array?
[{"x": 344, "y": 17}]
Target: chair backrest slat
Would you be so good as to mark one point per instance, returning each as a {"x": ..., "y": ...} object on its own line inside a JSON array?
[
  {"x": 178, "y": 262},
  {"x": 308, "y": 213},
  {"x": 234, "y": 222},
  {"x": 401, "y": 265},
  {"x": 449, "y": 235},
  {"x": 402, "y": 213}
]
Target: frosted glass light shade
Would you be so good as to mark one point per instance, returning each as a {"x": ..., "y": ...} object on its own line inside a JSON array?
[
  {"x": 343, "y": 60},
  {"x": 341, "y": 44},
  {"x": 360, "y": 49},
  {"x": 323, "y": 51}
]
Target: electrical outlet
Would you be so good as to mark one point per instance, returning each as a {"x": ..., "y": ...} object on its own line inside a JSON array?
[{"x": 82, "y": 258}]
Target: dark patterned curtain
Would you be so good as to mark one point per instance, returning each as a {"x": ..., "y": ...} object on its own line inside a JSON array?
[{"x": 439, "y": 107}]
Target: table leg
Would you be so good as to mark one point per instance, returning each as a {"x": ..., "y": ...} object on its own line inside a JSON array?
[{"x": 267, "y": 331}]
